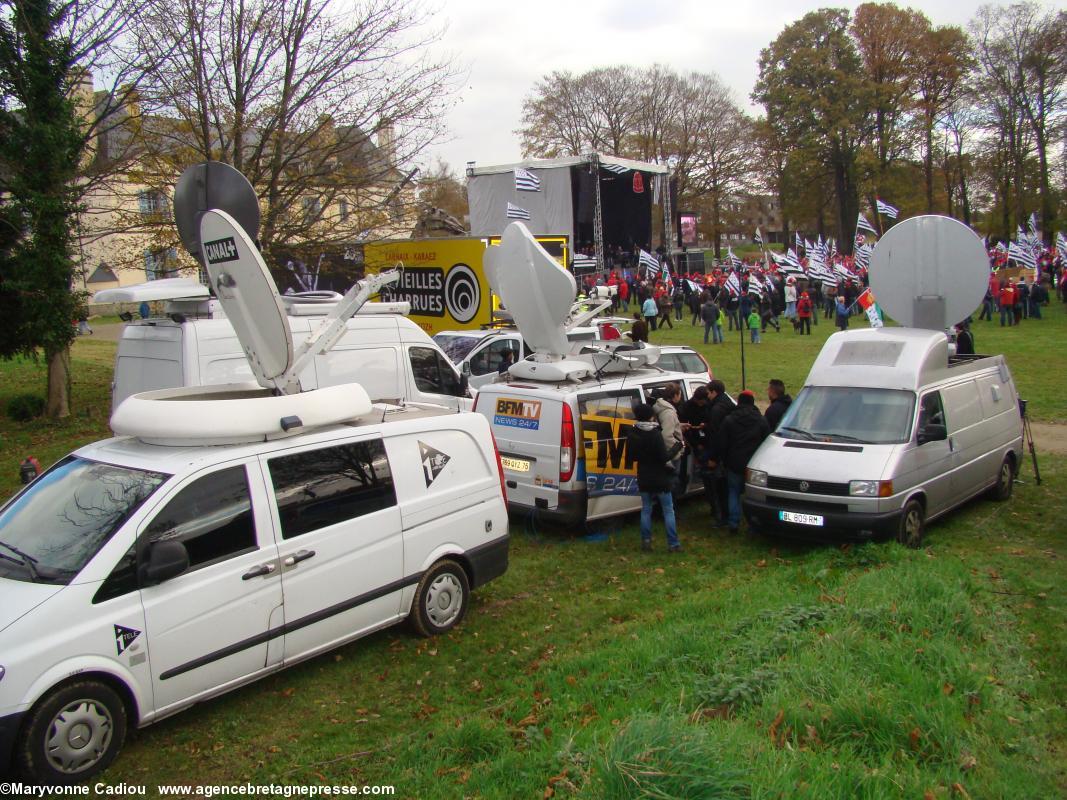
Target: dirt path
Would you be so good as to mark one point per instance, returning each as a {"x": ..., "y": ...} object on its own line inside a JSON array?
[{"x": 1050, "y": 437}]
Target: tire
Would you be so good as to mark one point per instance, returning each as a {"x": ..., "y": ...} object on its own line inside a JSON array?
[
  {"x": 441, "y": 599},
  {"x": 912, "y": 524},
  {"x": 72, "y": 734},
  {"x": 1002, "y": 489}
]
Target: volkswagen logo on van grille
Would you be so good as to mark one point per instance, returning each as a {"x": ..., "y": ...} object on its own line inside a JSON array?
[{"x": 803, "y": 486}]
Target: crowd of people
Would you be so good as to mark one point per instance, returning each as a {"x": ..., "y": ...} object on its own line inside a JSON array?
[{"x": 710, "y": 433}]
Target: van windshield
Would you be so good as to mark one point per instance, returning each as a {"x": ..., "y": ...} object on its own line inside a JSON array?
[
  {"x": 52, "y": 530},
  {"x": 849, "y": 414},
  {"x": 456, "y": 347}
]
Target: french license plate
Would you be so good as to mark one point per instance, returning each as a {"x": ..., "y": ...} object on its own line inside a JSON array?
[
  {"x": 800, "y": 519},
  {"x": 515, "y": 464}
]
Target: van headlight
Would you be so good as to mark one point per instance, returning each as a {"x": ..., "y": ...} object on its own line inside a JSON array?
[
  {"x": 870, "y": 488},
  {"x": 756, "y": 477}
]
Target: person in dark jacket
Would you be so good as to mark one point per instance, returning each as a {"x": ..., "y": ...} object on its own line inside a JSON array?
[
  {"x": 740, "y": 436},
  {"x": 709, "y": 313},
  {"x": 639, "y": 330},
  {"x": 654, "y": 477},
  {"x": 779, "y": 403},
  {"x": 717, "y": 410}
]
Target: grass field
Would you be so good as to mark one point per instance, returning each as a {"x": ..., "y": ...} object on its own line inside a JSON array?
[{"x": 745, "y": 668}]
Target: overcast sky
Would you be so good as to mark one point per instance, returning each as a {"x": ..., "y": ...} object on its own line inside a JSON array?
[{"x": 507, "y": 46}]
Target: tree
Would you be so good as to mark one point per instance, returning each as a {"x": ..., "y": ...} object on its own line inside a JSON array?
[
  {"x": 439, "y": 188},
  {"x": 318, "y": 107},
  {"x": 942, "y": 62},
  {"x": 47, "y": 125},
  {"x": 556, "y": 118},
  {"x": 813, "y": 86},
  {"x": 1023, "y": 55}
]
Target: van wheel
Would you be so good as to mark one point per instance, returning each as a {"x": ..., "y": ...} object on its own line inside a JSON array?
[
  {"x": 441, "y": 599},
  {"x": 912, "y": 519},
  {"x": 1002, "y": 489},
  {"x": 72, "y": 734}
]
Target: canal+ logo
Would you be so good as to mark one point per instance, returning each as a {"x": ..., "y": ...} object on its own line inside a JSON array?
[{"x": 221, "y": 250}]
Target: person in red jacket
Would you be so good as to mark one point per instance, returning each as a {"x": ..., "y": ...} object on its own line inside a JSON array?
[
  {"x": 804, "y": 313},
  {"x": 1006, "y": 298}
]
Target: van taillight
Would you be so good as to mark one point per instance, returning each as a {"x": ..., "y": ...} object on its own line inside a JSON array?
[
  {"x": 499, "y": 468},
  {"x": 566, "y": 445}
]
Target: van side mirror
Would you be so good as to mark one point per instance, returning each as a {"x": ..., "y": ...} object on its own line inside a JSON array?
[
  {"x": 932, "y": 433},
  {"x": 465, "y": 368},
  {"x": 464, "y": 382},
  {"x": 166, "y": 559}
]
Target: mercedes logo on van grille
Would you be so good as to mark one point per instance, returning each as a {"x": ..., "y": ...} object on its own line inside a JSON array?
[{"x": 803, "y": 486}]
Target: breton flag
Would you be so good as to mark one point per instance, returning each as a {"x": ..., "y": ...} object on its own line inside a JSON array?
[
  {"x": 862, "y": 256},
  {"x": 733, "y": 260},
  {"x": 758, "y": 239},
  {"x": 733, "y": 285},
  {"x": 1061, "y": 246},
  {"x": 526, "y": 181},
  {"x": 649, "y": 262},
  {"x": 514, "y": 212},
  {"x": 885, "y": 209},
  {"x": 863, "y": 225},
  {"x": 1023, "y": 256},
  {"x": 798, "y": 245},
  {"x": 618, "y": 169},
  {"x": 1035, "y": 228},
  {"x": 583, "y": 262},
  {"x": 755, "y": 288},
  {"x": 692, "y": 286}
]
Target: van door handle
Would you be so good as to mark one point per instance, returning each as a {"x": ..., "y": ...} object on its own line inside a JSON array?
[
  {"x": 298, "y": 556},
  {"x": 255, "y": 572}
]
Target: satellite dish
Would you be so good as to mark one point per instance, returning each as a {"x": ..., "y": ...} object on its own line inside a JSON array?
[
  {"x": 213, "y": 185},
  {"x": 533, "y": 288},
  {"x": 249, "y": 296},
  {"x": 929, "y": 272}
]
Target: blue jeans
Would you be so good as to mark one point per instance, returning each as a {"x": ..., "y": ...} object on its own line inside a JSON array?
[
  {"x": 1005, "y": 313},
  {"x": 666, "y": 502},
  {"x": 735, "y": 484},
  {"x": 716, "y": 333},
  {"x": 755, "y": 335}
]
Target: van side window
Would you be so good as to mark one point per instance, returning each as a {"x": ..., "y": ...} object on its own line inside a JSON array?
[
  {"x": 212, "y": 517},
  {"x": 490, "y": 357},
  {"x": 318, "y": 488},
  {"x": 931, "y": 411},
  {"x": 432, "y": 372},
  {"x": 122, "y": 580}
]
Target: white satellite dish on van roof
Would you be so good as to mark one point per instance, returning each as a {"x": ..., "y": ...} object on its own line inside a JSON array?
[
  {"x": 539, "y": 295},
  {"x": 929, "y": 272},
  {"x": 249, "y": 296}
]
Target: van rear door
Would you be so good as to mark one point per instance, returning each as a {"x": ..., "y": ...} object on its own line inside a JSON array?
[
  {"x": 527, "y": 429},
  {"x": 149, "y": 357},
  {"x": 610, "y": 474}
]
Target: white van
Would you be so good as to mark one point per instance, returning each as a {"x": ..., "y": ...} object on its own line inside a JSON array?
[
  {"x": 888, "y": 433},
  {"x": 563, "y": 445},
  {"x": 231, "y": 531},
  {"x": 388, "y": 354},
  {"x": 139, "y": 579}
]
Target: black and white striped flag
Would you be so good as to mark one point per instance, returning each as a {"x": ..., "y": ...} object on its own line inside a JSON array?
[
  {"x": 758, "y": 239},
  {"x": 1061, "y": 246},
  {"x": 583, "y": 262},
  {"x": 863, "y": 225},
  {"x": 733, "y": 284},
  {"x": 526, "y": 181},
  {"x": 649, "y": 262},
  {"x": 885, "y": 209},
  {"x": 1021, "y": 255},
  {"x": 618, "y": 169},
  {"x": 515, "y": 212}
]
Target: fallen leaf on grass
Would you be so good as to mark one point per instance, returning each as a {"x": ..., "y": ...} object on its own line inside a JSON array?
[
  {"x": 761, "y": 563},
  {"x": 967, "y": 761},
  {"x": 915, "y": 738},
  {"x": 958, "y": 789},
  {"x": 948, "y": 688},
  {"x": 772, "y": 732}
]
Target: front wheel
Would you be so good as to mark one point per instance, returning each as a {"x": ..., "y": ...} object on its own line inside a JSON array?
[
  {"x": 1002, "y": 489},
  {"x": 441, "y": 599},
  {"x": 912, "y": 522},
  {"x": 72, "y": 734}
]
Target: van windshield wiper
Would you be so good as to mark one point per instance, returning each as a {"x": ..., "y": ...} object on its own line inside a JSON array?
[
  {"x": 28, "y": 561},
  {"x": 803, "y": 433}
]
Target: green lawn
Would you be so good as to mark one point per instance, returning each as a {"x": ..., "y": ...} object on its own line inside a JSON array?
[{"x": 747, "y": 668}]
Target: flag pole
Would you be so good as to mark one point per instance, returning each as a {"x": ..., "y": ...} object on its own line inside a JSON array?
[{"x": 742, "y": 330}]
